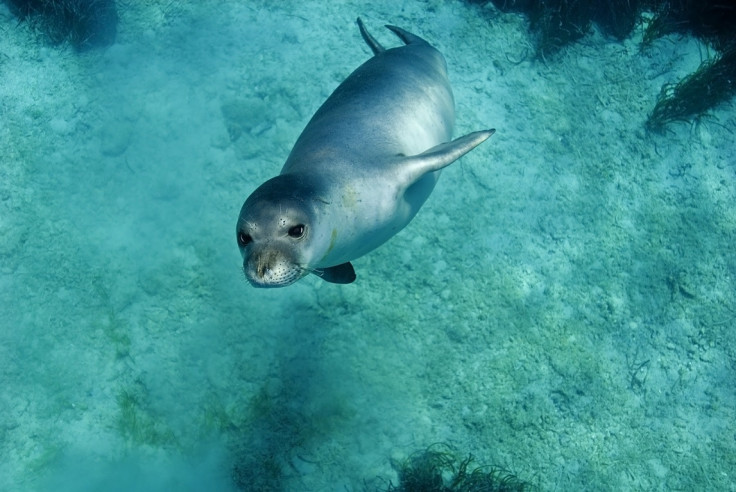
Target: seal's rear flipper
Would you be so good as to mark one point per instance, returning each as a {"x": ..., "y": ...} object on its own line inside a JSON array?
[
  {"x": 340, "y": 274},
  {"x": 406, "y": 36},
  {"x": 375, "y": 46},
  {"x": 440, "y": 156}
]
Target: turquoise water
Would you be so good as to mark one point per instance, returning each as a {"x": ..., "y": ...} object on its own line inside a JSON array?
[{"x": 563, "y": 305}]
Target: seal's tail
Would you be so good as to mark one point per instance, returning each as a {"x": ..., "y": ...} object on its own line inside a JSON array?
[{"x": 376, "y": 47}]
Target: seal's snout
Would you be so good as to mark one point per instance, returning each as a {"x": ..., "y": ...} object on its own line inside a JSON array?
[
  {"x": 270, "y": 269},
  {"x": 265, "y": 263}
]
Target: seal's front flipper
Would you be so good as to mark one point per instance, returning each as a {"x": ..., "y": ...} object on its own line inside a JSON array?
[
  {"x": 340, "y": 274},
  {"x": 440, "y": 156}
]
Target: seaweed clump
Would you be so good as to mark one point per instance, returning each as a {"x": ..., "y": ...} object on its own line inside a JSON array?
[
  {"x": 437, "y": 469},
  {"x": 557, "y": 23},
  {"x": 712, "y": 83},
  {"x": 84, "y": 23},
  {"x": 712, "y": 21}
]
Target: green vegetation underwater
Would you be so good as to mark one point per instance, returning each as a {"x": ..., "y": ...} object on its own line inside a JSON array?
[{"x": 560, "y": 315}]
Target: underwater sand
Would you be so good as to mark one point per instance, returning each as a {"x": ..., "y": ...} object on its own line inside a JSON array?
[{"x": 563, "y": 305}]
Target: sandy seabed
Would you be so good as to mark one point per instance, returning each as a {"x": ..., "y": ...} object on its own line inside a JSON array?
[{"x": 563, "y": 306}]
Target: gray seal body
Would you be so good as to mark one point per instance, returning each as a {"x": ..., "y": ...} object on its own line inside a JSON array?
[{"x": 359, "y": 172}]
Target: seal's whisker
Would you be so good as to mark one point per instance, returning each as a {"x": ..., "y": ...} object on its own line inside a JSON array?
[
  {"x": 306, "y": 268},
  {"x": 316, "y": 271}
]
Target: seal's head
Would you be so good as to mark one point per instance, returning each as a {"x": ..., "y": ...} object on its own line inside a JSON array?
[{"x": 273, "y": 231}]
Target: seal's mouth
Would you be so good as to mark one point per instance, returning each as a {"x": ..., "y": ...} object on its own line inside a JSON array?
[
  {"x": 271, "y": 269},
  {"x": 269, "y": 281}
]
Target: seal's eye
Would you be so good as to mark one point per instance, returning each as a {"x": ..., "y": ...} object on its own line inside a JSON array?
[
  {"x": 296, "y": 231},
  {"x": 244, "y": 239}
]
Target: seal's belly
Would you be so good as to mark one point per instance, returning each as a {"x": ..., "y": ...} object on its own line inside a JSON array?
[{"x": 368, "y": 212}]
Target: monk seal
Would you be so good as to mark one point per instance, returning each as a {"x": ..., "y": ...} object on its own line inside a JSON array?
[{"x": 359, "y": 172}]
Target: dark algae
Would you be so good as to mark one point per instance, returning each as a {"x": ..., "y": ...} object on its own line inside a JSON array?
[
  {"x": 554, "y": 24},
  {"x": 84, "y": 23},
  {"x": 713, "y": 83},
  {"x": 438, "y": 469}
]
